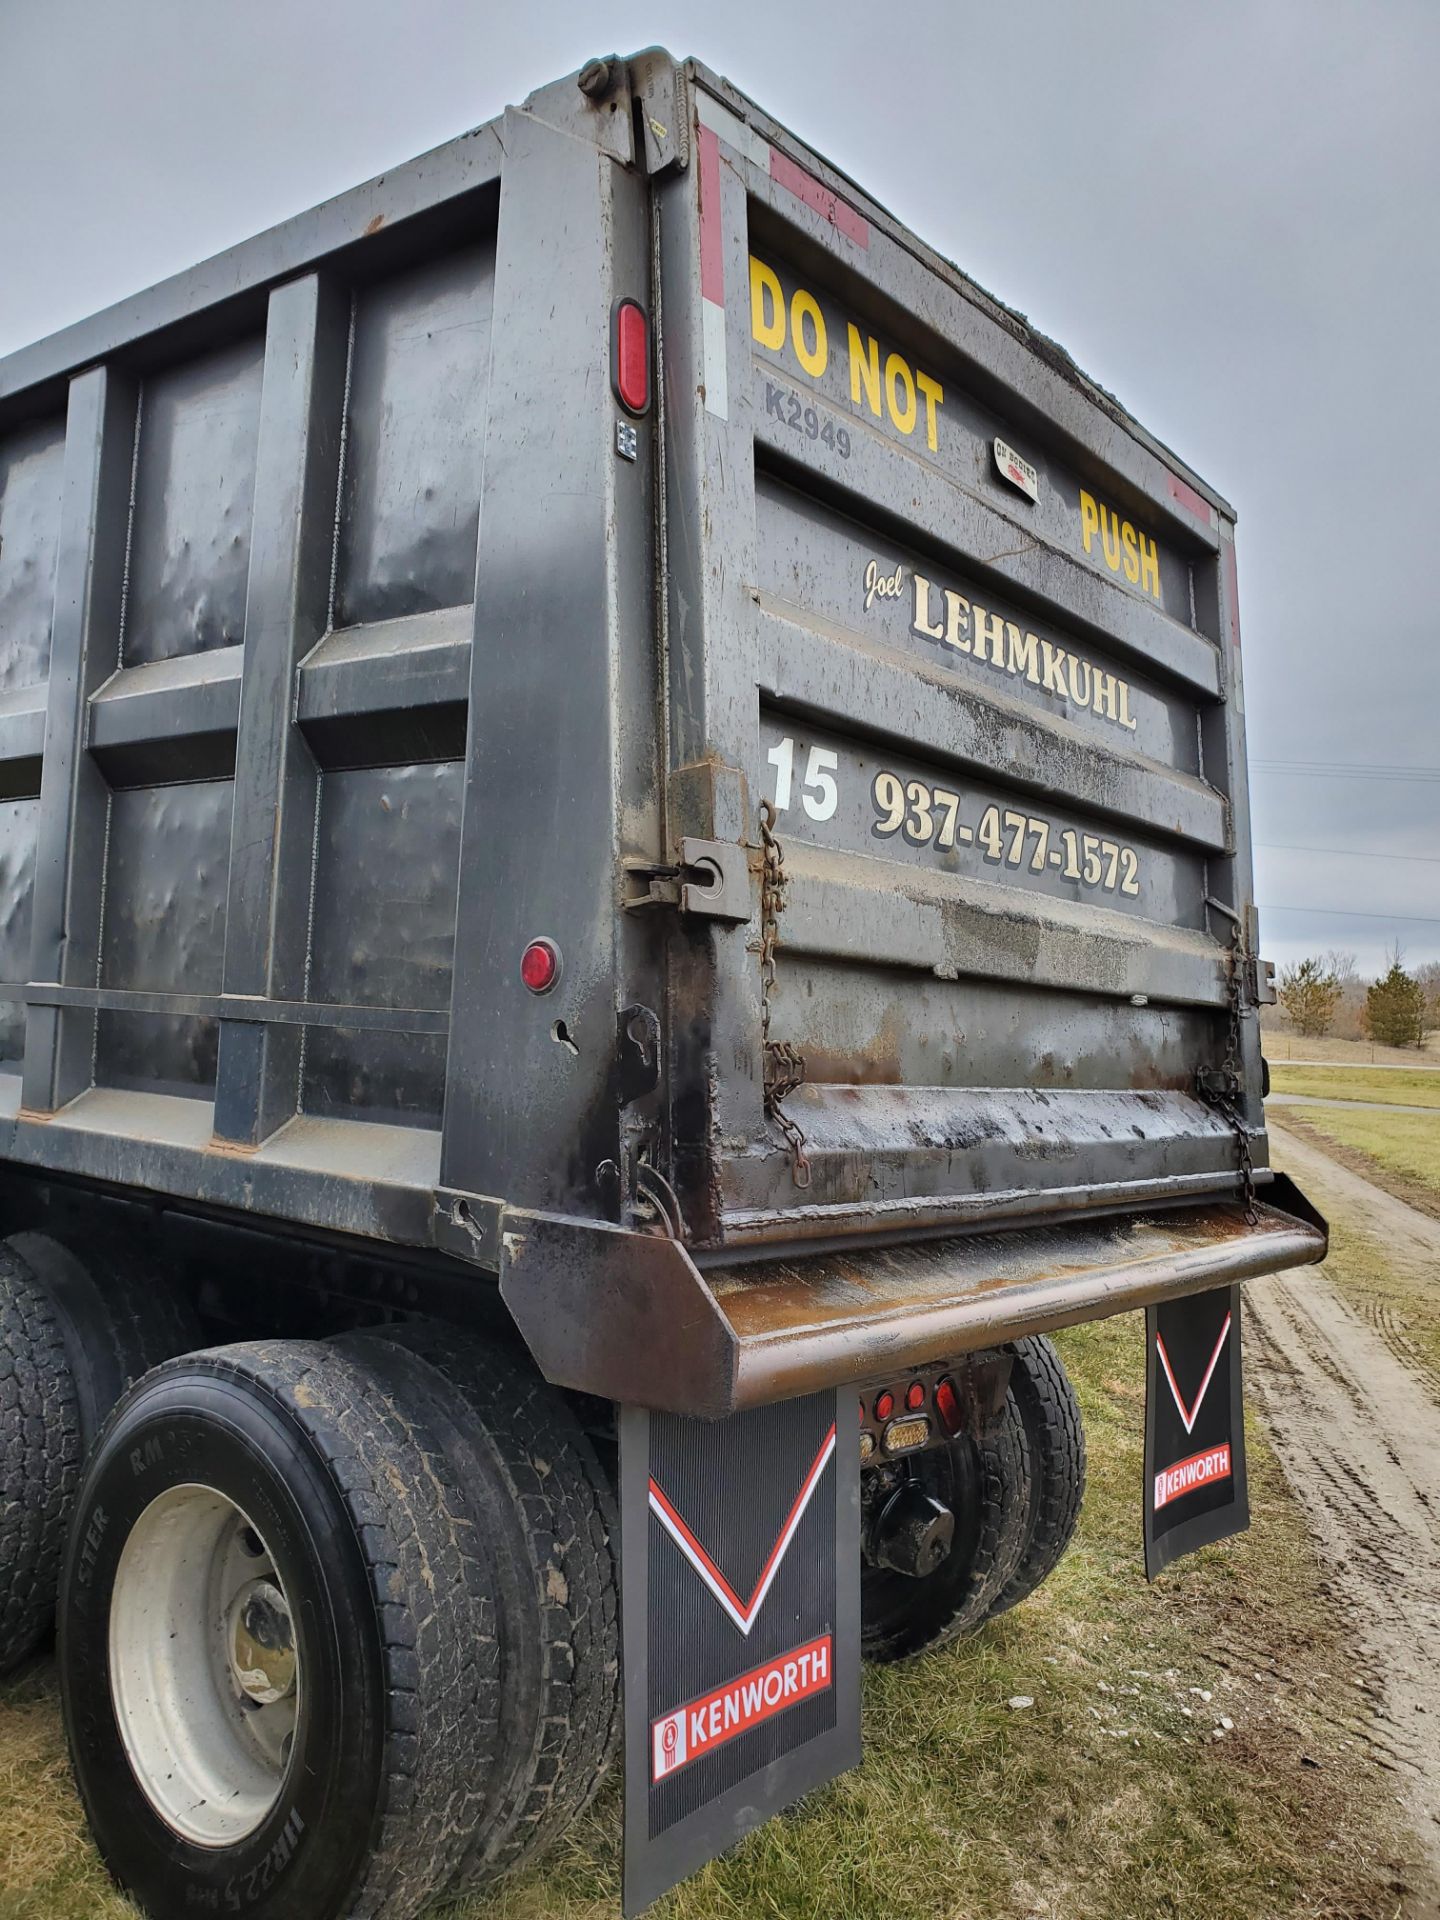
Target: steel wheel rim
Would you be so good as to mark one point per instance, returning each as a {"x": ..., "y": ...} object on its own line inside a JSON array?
[{"x": 204, "y": 1671}]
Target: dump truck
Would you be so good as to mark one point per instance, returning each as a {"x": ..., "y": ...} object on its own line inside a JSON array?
[{"x": 626, "y": 876}]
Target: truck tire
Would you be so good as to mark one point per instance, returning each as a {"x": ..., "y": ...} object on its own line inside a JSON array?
[
  {"x": 548, "y": 1514},
  {"x": 1056, "y": 1434},
  {"x": 105, "y": 1323},
  {"x": 118, "y": 1316},
  {"x": 277, "y": 1653},
  {"x": 986, "y": 1486},
  {"x": 39, "y": 1459}
]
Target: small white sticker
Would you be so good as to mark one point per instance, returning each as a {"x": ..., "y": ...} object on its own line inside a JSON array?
[{"x": 1020, "y": 474}]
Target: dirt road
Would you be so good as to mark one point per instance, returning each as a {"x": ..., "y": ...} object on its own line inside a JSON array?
[{"x": 1355, "y": 1420}]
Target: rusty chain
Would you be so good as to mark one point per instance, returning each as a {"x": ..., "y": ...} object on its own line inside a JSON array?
[
  {"x": 784, "y": 1062},
  {"x": 1228, "y": 1101}
]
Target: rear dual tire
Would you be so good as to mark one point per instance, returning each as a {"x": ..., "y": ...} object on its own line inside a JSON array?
[
  {"x": 550, "y": 1523},
  {"x": 1015, "y": 1495},
  {"x": 39, "y": 1458},
  {"x": 432, "y": 1629},
  {"x": 1056, "y": 1436},
  {"x": 74, "y": 1333},
  {"x": 985, "y": 1484}
]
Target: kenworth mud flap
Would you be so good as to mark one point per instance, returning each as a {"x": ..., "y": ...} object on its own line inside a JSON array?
[
  {"x": 1195, "y": 1486},
  {"x": 740, "y": 1570}
]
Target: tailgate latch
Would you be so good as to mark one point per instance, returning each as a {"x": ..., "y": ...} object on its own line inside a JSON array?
[
  {"x": 1217, "y": 1086},
  {"x": 711, "y": 880}
]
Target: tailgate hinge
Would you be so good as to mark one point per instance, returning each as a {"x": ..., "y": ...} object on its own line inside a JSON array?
[{"x": 662, "y": 99}]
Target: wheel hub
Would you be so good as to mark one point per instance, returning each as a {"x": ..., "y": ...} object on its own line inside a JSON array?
[{"x": 262, "y": 1643}]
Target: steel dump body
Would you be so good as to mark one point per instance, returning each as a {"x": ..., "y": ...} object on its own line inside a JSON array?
[{"x": 345, "y": 650}]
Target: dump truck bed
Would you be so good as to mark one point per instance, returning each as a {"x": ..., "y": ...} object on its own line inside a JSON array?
[{"x": 857, "y": 721}]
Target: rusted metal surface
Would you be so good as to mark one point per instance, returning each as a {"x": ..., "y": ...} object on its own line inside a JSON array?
[
  {"x": 832, "y": 1318},
  {"x": 618, "y": 1314},
  {"x": 906, "y": 1152},
  {"x": 631, "y": 1317}
]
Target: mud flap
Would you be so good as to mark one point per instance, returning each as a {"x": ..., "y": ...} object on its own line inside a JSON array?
[
  {"x": 1195, "y": 1489},
  {"x": 740, "y": 1586}
]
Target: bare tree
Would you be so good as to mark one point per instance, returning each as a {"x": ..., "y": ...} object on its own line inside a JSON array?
[{"x": 1429, "y": 979}]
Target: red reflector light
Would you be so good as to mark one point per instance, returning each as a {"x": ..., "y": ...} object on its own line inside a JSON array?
[
  {"x": 947, "y": 1405},
  {"x": 915, "y": 1396},
  {"x": 884, "y": 1405},
  {"x": 630, "y": 352},
  {"x": 540, "y": 965}
]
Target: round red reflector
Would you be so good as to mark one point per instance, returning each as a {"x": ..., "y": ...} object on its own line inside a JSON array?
[
  {"x": 915, "y": 1395},
  {"x": 947, "y": 1405},
  {"x": 540, "y": 965},
  {"x": 632, "y": 356},
  {"x": 884, "y": 1405}
]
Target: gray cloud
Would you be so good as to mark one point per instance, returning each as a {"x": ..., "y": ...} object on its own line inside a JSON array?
[{"x": 1228, "y": 213}]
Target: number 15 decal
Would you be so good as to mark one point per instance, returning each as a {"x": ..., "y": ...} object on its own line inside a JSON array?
[{"x": 819, "y": 794}]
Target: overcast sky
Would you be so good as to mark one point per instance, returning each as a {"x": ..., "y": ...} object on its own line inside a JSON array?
[{"x": 1228, "y": 212}]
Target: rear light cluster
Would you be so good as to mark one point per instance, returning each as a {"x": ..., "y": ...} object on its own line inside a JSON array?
[{"x": 898, "y": 1420}]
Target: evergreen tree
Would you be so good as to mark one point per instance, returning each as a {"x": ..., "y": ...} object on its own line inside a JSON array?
[
  {"x": 1395, "y": 1008},
  {"x": 1309, "y": 994}
]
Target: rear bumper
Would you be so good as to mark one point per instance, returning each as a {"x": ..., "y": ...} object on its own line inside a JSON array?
[{"x": 633, "y": 1318}]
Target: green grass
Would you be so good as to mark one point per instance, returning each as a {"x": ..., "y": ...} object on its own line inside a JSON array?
[
  {"x": 1402, "y": 1144},
  {"x": 1419, "y": 1088},
  {"x": 1108, "y": 1800}
]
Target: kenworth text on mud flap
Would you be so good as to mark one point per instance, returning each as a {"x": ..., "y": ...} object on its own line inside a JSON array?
[{"x": 626, "y": 873}]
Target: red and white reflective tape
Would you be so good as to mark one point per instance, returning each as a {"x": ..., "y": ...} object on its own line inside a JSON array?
[
  {"x": 717, "y": 123},
  {"x": 1184, "y": 495},
  {"x": 712, "y": 277}
]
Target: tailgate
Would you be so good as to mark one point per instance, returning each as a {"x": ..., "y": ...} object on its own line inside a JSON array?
[{"x": 969, "y": 637}]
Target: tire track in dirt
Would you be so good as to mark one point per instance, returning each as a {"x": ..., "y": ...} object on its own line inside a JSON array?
[
  {"x": 1400, "y": 1229},
  {"x": 1355, "y": 1422}
]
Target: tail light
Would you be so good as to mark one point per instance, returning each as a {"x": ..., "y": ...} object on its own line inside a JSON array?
[
  {"x": 947, "y": 1405},
  {"x": 540, "y": 965},
  {"x": 630, "y": 355}
]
